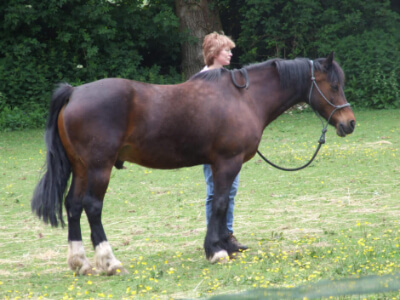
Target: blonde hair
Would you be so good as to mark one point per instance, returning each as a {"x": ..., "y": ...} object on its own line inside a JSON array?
[{"x": 213, "y": 43}]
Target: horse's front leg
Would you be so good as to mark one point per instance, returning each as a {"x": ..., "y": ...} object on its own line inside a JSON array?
[
  {"x": 217, "y": 245},
  {"x": 93, "y": 204}
]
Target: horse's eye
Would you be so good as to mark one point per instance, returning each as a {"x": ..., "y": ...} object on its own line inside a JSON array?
[{"x": 335, "y": 87}]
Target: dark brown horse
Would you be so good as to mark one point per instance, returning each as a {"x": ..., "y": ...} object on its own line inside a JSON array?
[{"x": 206, "y": 120}]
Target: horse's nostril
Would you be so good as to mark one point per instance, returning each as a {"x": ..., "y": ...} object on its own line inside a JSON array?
[{"x": 353, "y": 124}]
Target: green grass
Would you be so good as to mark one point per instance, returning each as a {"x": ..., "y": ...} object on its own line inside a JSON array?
[{"x": 339, "y": 218}]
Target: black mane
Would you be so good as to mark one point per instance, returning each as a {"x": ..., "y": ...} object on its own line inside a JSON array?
[
  {"x": 209, "y": 75},
  {"x": 296, "y": 73},
  {"x": 292, "y": 73}
]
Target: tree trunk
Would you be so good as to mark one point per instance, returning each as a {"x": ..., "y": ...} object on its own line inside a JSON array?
[{"x": 197, "y": 19}]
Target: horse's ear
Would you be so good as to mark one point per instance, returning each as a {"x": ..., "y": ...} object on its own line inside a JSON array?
[{"x": 329, "y": 60}]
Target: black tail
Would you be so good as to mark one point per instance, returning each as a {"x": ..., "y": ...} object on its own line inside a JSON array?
[{"x": 47, "y": 200}]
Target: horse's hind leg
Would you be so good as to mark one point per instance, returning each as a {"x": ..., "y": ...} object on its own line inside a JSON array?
[
  {"x": 106, "y": 262},
  {"x": 77, "y": 259}
]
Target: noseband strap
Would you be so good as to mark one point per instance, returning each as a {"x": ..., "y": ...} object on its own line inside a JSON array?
[
  {"x": 324, "y": 127},
  {"x": 336, "y": 107}
]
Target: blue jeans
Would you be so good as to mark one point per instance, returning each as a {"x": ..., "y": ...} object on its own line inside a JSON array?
[{"x": 210, "y": 195}]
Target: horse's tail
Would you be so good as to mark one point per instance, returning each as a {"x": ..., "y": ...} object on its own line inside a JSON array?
[{"x": 47, "y": 200}]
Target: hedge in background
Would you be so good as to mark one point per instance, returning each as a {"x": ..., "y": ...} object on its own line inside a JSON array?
[
  {"x": 47, "y": 42},
  {"x": 364, "y": 35}
]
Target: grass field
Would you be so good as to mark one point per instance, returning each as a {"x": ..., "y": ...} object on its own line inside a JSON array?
[{"x": 339, "y": 218}]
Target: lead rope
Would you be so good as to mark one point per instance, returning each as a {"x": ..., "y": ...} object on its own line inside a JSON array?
[
  {"x": 320, "y": 142},
  {"x": 246, "y": 79},
  {"x": 324, "y": 127}
]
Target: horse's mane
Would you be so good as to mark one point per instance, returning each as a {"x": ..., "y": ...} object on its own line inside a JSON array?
[
  {"x": 296, "y": 73},
  {"x": 292, "y": 73},
  {"x": 210, "y": 75}
]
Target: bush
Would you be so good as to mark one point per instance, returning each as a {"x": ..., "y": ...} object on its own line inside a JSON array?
[
  {"x": 363, "y": 34},
  {"x": 17, "y": 119},
  {"x": 372, "y": 70},
  {"x": 44, "y": 43}
]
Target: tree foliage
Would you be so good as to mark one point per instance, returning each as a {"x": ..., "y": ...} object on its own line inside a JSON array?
[
  {"x": 363, "y": 34},
  {"x": 43, "y": 43},
  {"x": 77, "y": 41}
]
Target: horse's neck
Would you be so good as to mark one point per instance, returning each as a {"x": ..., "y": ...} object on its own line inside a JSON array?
[
  {"x": 285, "y": 101},
  {"x": 271, "y": 100}
]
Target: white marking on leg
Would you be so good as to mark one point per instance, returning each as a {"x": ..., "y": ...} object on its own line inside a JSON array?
[
  {"x": 77, "y": 260},
  {"x": 106, "y": 261},
  {"x": 220, "y": 256}
]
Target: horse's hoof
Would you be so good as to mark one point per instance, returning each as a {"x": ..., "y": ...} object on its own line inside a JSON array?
[
  {"x": 87, "y": 271},
  {"x": 221, "y": 257},
  {"x": 236, "y": 255},
  {"x": 84, "y": 268},
  {"x": 117, "y": 270}
]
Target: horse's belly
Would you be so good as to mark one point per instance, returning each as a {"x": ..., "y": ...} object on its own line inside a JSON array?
[{"x": 162, "y": 156}]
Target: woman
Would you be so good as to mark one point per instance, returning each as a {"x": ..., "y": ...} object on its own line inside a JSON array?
[{"x": 217, "y": 54}]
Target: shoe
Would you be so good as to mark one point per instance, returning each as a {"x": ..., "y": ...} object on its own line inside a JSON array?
[{"x": 234, "y": 241}]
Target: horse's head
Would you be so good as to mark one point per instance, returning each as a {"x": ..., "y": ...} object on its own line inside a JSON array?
[{"x": 326, "y": 95}]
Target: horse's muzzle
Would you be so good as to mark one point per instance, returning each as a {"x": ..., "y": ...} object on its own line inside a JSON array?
[{"x": 345, "y": 128}]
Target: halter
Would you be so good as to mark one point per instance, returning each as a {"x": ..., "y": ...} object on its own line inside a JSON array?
[
  {"x": 336, "y": 107},
  {"x": 324, "y": 127}
]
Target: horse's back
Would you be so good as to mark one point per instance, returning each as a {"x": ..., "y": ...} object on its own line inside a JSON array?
[{"x": 104, "y": 93}]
